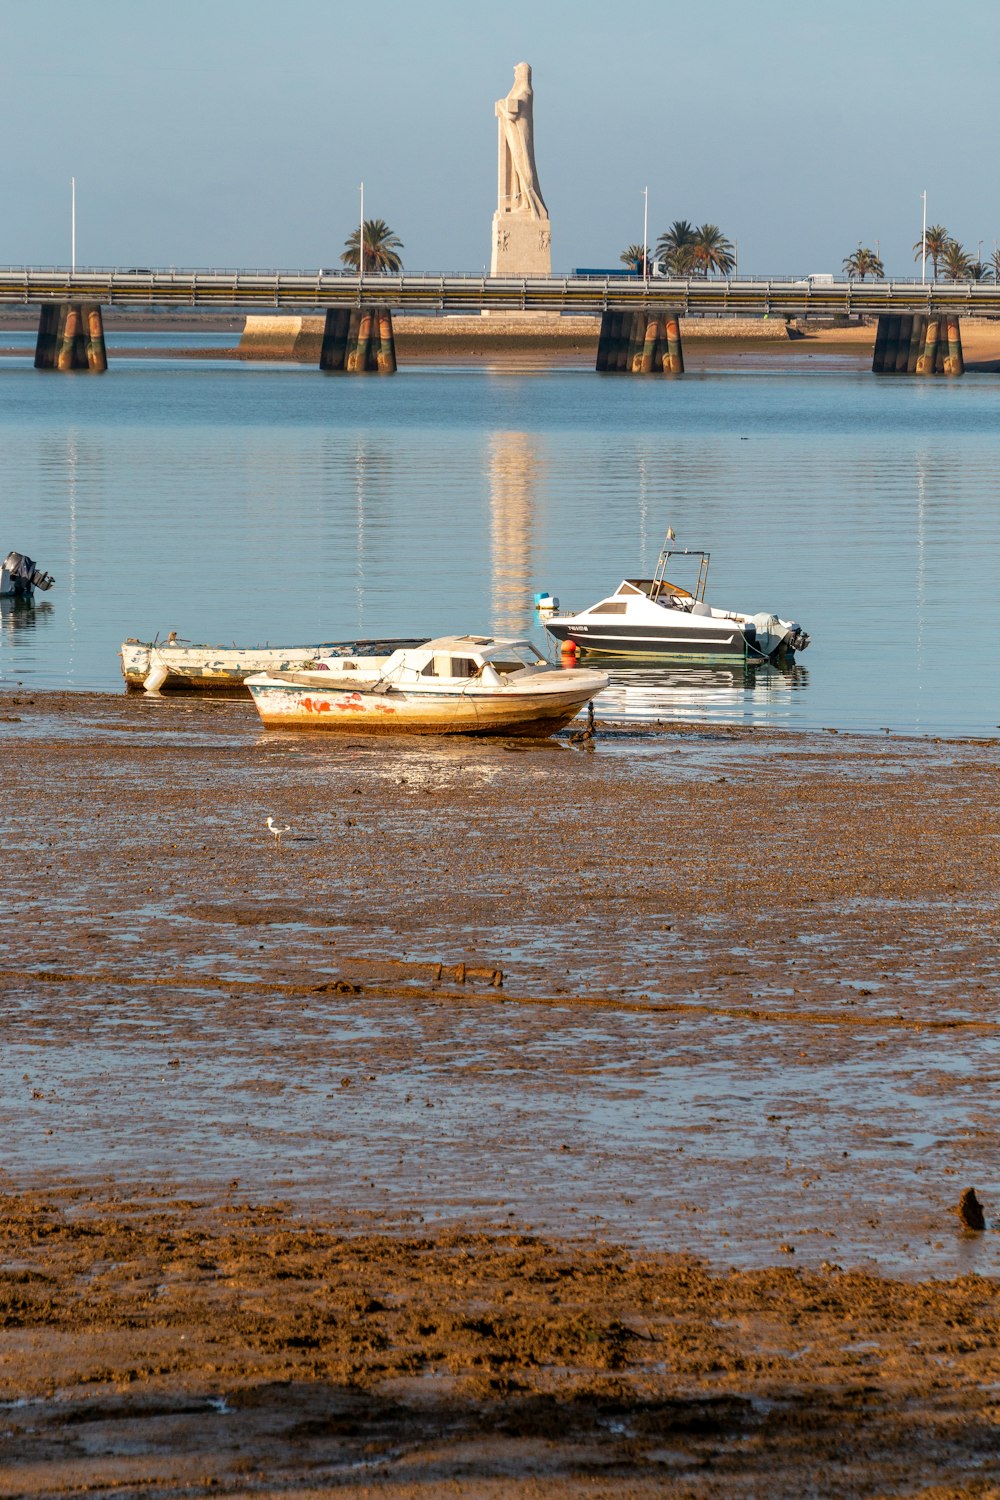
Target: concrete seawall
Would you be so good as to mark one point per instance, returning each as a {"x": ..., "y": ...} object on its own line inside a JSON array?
[
  {"x": 298, "y": 338},
  {"x": 280, "y": 336}
]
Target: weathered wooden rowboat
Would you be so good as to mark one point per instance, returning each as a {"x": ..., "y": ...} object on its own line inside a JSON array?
[
  {"x": 463, "y": 684},
  {"x": 173, "y": 665}
]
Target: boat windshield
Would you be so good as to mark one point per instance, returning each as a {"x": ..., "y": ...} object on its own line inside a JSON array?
[
  {"x": 510, "y": 656},
  {"x": 442, "y": 665},
  {"x": 648, "y": 587}
]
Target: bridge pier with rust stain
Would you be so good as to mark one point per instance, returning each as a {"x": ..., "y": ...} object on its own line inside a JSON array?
[
  {"x": 71, "y": 337},
  {"x": 358, "y": 341},
  {"x": 640, "y": 343},
  {"x": 914, "y": 344}
]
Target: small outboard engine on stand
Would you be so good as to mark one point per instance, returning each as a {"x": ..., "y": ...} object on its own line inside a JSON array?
[{"x": 20, "y": 577}]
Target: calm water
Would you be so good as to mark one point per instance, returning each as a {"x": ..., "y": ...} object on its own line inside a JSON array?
[{"x": 244, "y": 503}]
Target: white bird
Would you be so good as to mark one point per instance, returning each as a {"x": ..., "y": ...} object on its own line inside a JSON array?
[{"x": 278, "y": 829}]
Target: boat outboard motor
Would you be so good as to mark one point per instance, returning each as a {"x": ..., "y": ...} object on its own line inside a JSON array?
[
  {"x": 20, "y": 576},
  {"x": 756, "y": 648}
]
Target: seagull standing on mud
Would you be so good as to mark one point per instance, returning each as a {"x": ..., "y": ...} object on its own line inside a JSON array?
[{"x": 278, "y": 829}]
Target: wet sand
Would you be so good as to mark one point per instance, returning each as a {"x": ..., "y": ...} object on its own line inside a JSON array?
[{"x": 298, "y": 1191}]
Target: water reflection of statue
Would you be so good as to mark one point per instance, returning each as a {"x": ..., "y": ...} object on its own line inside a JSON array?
[
  {"x": 515, "y": 466},
  {"x": 518, "y": 190}
]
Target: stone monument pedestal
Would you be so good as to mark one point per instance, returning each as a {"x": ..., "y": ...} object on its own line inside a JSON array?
[{"x": 521, "y": 246}]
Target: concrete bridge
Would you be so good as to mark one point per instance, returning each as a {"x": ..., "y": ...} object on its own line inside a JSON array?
[
  {"x": 317, "y": 291},
  {"x": 639, "y": 317}
]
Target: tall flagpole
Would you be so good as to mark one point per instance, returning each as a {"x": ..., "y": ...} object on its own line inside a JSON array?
[{"x": 923, "y": 245}]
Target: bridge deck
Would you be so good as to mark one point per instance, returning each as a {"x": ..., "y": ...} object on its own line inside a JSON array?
[{"x": 300, "y": 291}]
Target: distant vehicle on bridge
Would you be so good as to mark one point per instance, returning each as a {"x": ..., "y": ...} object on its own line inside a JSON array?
[
  {"x": 597, "y": 274},
  {"x": 617, "y": 273}
]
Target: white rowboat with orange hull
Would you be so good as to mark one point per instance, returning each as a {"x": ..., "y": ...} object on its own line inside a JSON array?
[{"x": 465, "y": 684}]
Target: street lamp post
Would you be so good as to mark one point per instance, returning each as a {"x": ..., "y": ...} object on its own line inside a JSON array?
[
  {"x": 923, "y": 245},
  {"x": 361, "y": 237},
  {"x": 645, "y": 235},
  {"x": 72, "y": 225}
]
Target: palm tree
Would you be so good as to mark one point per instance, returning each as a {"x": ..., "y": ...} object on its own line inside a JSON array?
[
  {"x": 675, "y": 246},
  {"x": 995, "y": 265},
  {"x": 381, "y": 245},
  {"x": 632, "y": 257},
  {"x": 956, "y": 262},
  {"x": 935, "y": 242},
  {"x": 711, "y": 251},
  {"x": 864, "y": 262}
]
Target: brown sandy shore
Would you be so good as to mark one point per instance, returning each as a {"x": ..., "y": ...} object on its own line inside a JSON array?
[{"x": 297, "y": 1198}]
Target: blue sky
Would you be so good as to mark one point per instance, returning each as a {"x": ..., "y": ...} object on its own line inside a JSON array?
[{"x": 234, "y": 132}]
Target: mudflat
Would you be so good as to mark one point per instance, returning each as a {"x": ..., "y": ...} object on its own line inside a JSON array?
[{"x": 527, "y": 1120}]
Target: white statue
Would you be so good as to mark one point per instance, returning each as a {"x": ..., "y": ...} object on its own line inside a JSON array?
[{"x": 518, "y": 191}]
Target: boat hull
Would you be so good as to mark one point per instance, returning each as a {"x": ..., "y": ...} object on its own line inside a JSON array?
[
  {"x": 339, "y": 710},
  {"x": 215, "y": 669},
  {"x": 728, "y": 644}
]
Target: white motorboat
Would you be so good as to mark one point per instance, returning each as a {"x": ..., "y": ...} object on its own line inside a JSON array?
[
  {"x": 654, "y": 617},
  {"x": 463, "y": 684},
  {"x": 174, "y": 665},
  {"x": 20, "y": 576}
]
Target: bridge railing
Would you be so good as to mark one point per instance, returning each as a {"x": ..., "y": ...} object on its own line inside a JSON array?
[
  {"x": 304, "y": 291},
  {"x": 784, "y": 281}
]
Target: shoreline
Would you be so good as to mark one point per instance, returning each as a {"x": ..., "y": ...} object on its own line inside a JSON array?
[{"x": 610, "y": 729}]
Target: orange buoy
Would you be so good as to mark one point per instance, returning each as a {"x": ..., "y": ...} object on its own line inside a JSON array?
[{"x": 569, "y": 649}]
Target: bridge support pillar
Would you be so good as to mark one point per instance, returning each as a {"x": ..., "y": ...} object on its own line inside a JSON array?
[
  {"x": 928, "y": 354},
  {"x": 358, "y": 341},
  {"x": 914, "y": 344},
  {"x": 918, "y": 335},
  {"x": 71, "y": 337},
  {"x": 621, "y": 327},
  {"x": 605, "y": 342},
  {"x": 640, "y": 343},
  {"x": 335, "y": 330},
  {"x": 386, "y": 356},
  {"x": 649, "y": 342},
  {"x": 361, "y": 356},
  {"x": 675, "y": 349}
]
